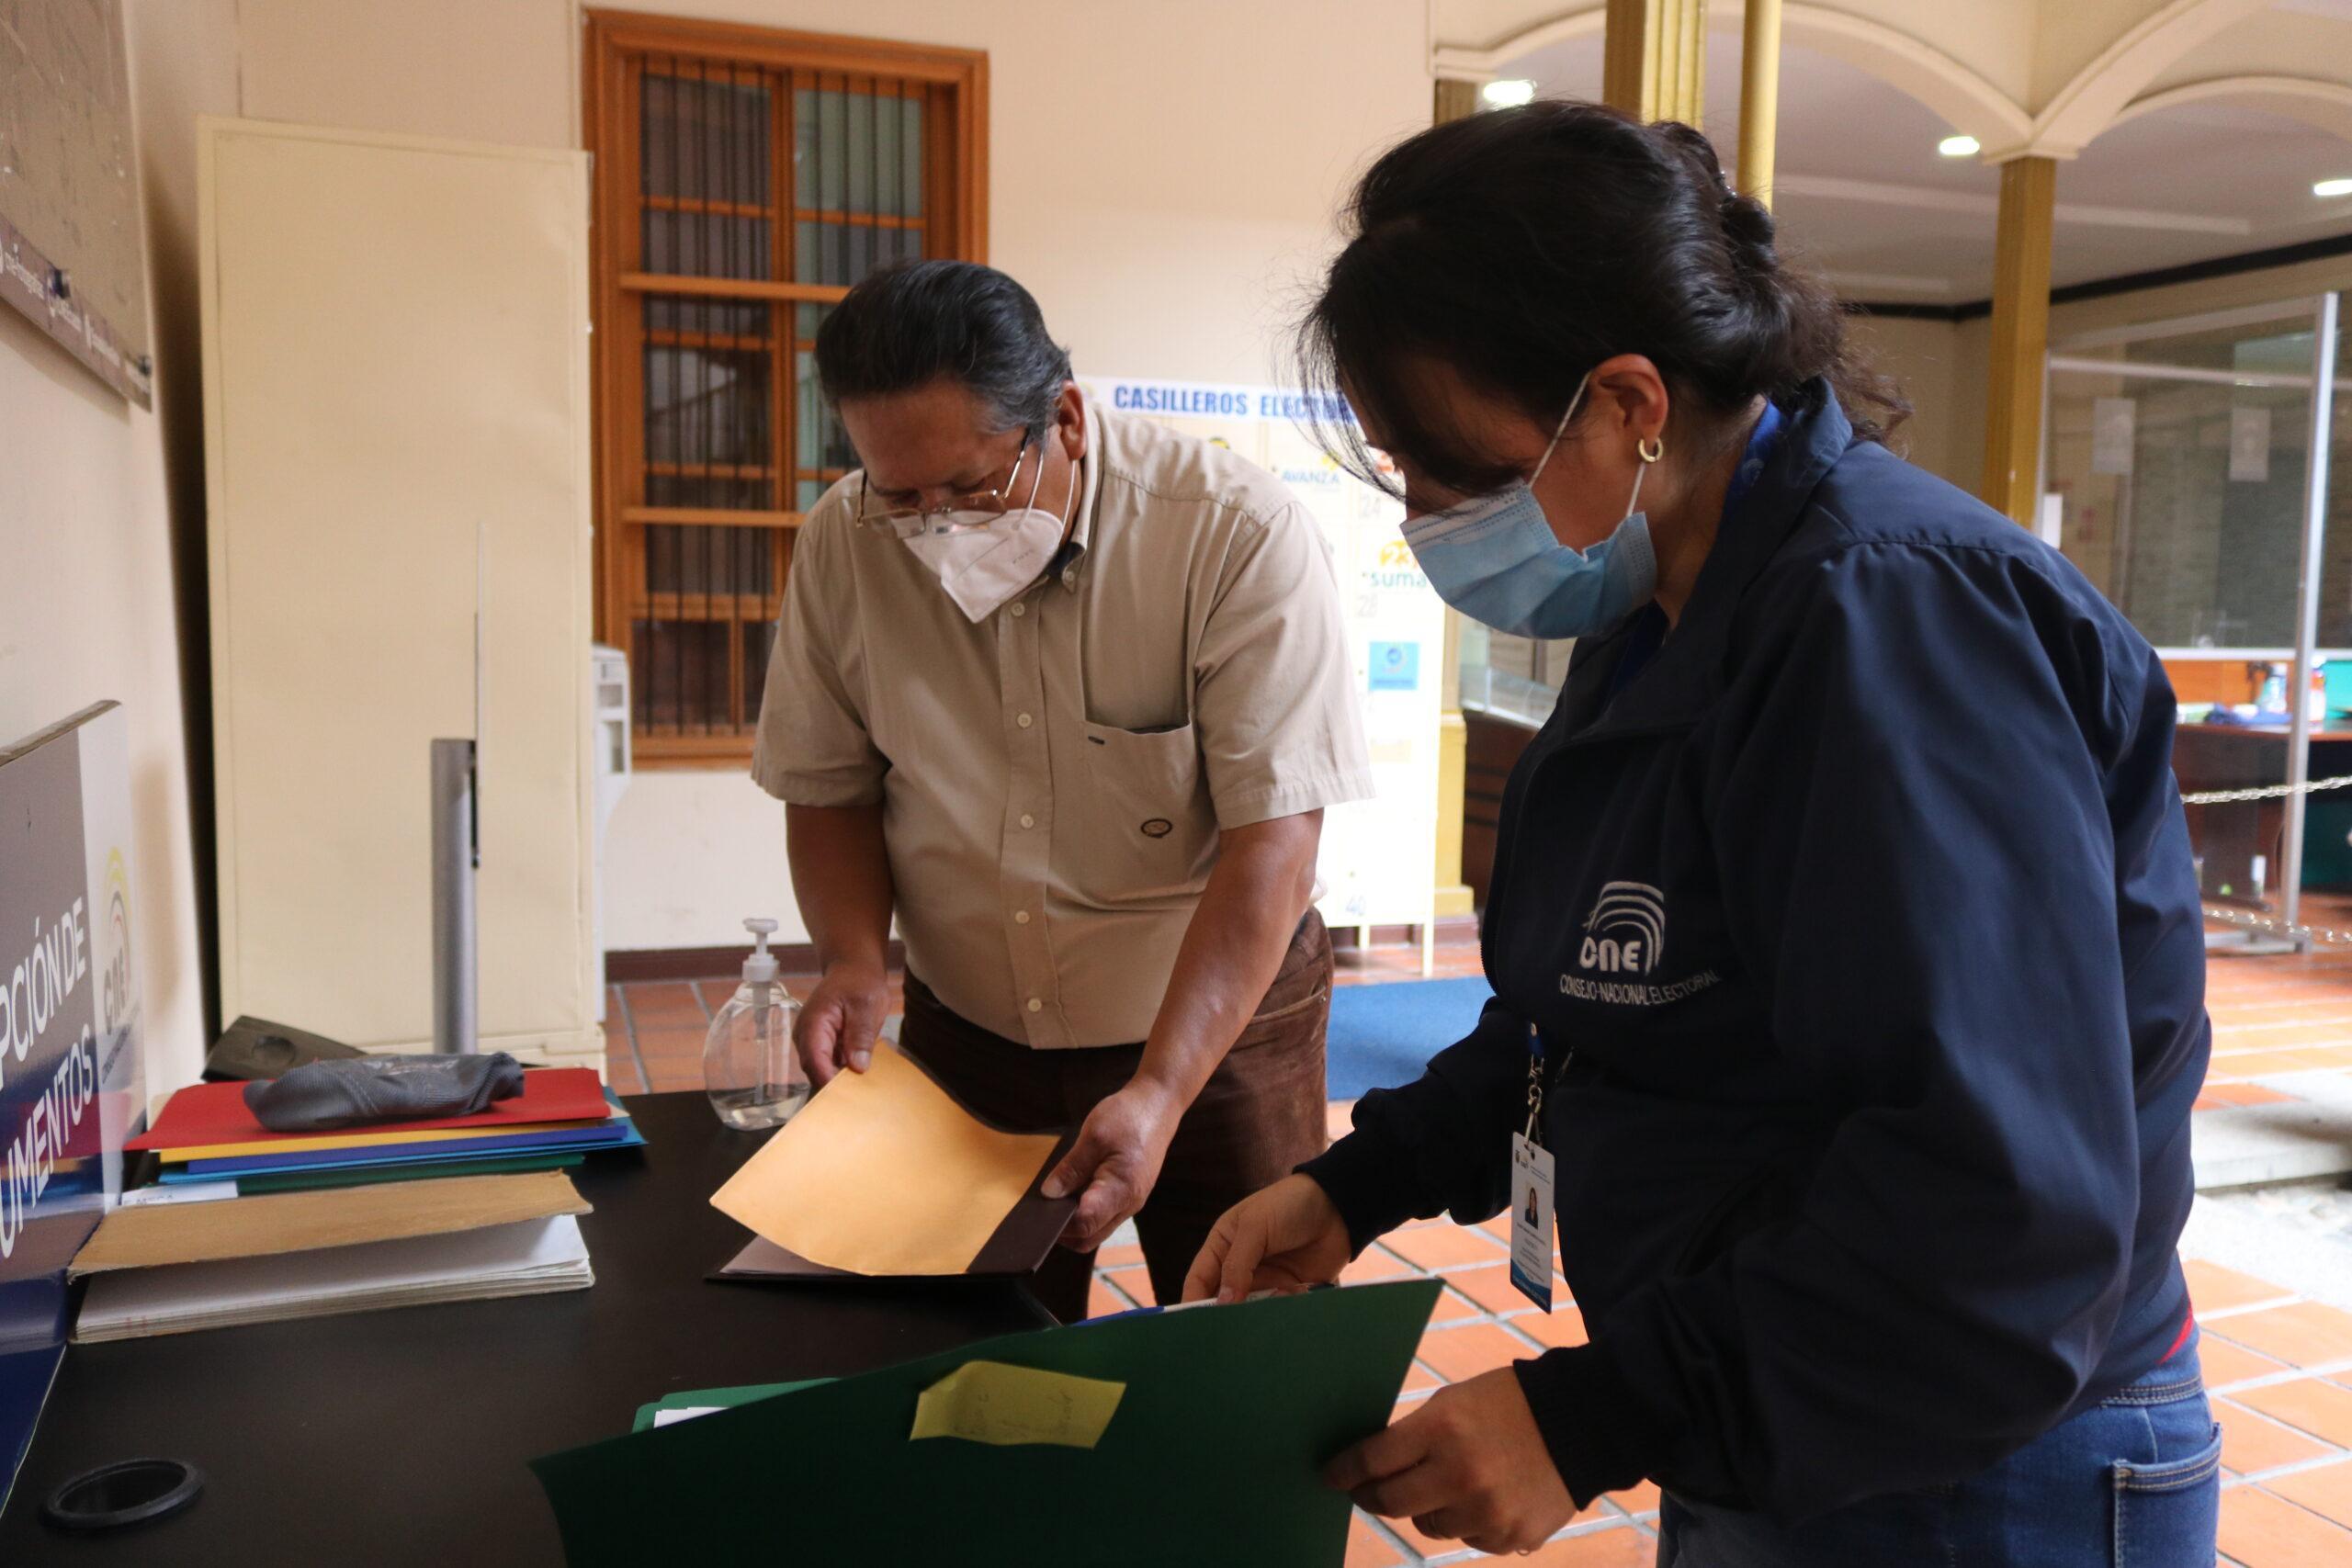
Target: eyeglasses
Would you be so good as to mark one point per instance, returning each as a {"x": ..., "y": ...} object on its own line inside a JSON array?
[{"x": 963, "y": 515}]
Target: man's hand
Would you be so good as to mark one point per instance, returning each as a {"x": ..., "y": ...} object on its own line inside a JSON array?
[
  {"x": 1116, "y": 1160},
  {"x": 1469, "y": 1464},
  {"x": 1284, "y": 1239},
  {"x": 839, "y": 1020}
]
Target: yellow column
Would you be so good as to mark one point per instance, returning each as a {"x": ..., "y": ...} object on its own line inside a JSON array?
[
  {"x": 2020, "y": 329},
  {"x": 1653, "y": 58},
  {"x": 1760, "y": 97},
  {"x": 1454, "y": 100}
]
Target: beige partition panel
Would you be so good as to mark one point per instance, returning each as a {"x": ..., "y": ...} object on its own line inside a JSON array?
[{"x": 395, "y": 363}]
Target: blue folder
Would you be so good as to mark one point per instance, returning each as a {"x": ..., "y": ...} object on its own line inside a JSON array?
[{"x": 620, "y": 1132}]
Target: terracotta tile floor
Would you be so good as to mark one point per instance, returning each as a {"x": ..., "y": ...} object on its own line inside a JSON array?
[
  {"x": 2280, "y": 1366},
  {"x": 2284, "y": 1015}
]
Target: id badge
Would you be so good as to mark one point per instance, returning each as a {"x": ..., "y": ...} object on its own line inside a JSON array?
[{"x": 1531, "y": 1220}]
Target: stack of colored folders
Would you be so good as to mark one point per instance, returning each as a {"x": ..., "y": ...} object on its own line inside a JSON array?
[{"x": 206, "y": 1135}]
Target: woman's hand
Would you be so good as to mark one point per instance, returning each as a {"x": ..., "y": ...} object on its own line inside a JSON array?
[
  {"x": 1469, "y": 1465},
  {"x": 1284, "y": 1239}
]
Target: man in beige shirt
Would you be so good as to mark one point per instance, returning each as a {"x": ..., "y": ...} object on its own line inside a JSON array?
[{"x": 1065, "y": 693}]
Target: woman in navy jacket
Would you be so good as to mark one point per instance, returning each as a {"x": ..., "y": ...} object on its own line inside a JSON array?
[{"x": 1843, "y": 919}]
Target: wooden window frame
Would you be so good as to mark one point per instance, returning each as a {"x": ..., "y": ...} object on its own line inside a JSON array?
[{"x": 956, "y": 224}]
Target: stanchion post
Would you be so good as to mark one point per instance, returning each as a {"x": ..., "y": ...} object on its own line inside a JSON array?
[
  {"x": 454, "y": 945},
  {"x": 2307, "y": 606}
]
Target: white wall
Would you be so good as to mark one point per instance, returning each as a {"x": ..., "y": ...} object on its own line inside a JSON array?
[
  {"x": 86, "y": 613},
  {"x": 89, "y": 608},
  {"x": 502, "y": 71},
  {"x": 690, "y": 855},
  {"x": 1923, "y": 356},
  {"x": 1162, "y": 177}
]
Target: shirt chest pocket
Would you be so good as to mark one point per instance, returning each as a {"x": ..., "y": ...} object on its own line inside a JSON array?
[{"x": 1139, "y": 827}]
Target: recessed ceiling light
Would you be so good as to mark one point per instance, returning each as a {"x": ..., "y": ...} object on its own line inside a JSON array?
[
  {"x": 1957, "y": 147},
  {"x": 2333, "y": 188},
  {"x": 1509, "y": 93}
]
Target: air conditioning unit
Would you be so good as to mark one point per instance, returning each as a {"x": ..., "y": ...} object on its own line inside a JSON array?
[{"x": 609, "y": 670}]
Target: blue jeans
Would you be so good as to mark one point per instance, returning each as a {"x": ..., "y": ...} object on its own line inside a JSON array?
[{"x": 2133, "y": 1481}]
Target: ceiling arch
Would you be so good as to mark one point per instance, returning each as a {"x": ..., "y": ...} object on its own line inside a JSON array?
[
  {"x": 1963, "y": 97},
  {"x": 2326, "y": 105},
  {"x": 2100, "y": 92}
]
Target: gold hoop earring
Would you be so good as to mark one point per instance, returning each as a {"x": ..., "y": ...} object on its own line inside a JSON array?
[{"x": 1649, "y": 449}]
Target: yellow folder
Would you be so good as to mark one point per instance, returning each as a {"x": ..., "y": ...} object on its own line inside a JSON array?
[{"x": 359, "y": 1139}]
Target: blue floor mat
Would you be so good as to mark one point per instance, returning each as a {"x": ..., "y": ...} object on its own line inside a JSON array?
[{"x": 1382, "y": 1035}]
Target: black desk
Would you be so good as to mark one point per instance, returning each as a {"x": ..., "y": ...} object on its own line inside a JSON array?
[{"x": 400, "y": 1437}]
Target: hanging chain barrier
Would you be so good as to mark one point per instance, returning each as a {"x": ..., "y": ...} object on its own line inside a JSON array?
[
  {"x": 2240, "y": 919},
  {"x": 2265, "y": 791}
]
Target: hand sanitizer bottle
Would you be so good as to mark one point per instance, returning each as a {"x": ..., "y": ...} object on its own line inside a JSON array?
[{"x": 748, "y": 1063}]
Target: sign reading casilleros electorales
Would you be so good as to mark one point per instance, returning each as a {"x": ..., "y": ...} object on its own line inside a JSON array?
[
  {"x": 1378, "y": 859},
  {"x": 70, "y": 1059}
]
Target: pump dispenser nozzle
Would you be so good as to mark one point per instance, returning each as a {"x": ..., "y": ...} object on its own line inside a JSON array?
[{"x": 760, "y": 968}]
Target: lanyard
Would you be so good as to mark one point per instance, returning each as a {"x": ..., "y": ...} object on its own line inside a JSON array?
[
  {"x": 1531, "y": 1223},
  {"x": 1535, "y": 1082}
]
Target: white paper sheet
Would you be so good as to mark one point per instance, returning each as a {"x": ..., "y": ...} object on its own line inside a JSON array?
[
  {"x": 684, "y": 1413},
  {"x": 523, "y": 1258}
]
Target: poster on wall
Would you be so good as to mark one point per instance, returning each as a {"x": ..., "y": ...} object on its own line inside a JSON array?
[
  {"x": 2250, "y": 445},
  {"x": 2113, "y": 426},
  {"x": 69, "y": 1058},
  {"x": 1378, "y": 862},
  {"x": 72, "y": 254}
]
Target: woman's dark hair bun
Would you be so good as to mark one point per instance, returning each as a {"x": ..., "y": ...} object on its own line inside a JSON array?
[
  {"x": 1754, "y": 238},
  {"x": 1523, "y": 246}
]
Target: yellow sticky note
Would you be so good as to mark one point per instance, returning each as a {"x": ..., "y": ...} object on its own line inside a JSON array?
[{"x": 989, "y": 1402}]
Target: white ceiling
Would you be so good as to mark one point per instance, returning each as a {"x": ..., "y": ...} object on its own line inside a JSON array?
[{"x": 1864, "y": 196}]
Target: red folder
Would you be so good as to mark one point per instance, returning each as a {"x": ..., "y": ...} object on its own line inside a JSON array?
[{"x": 215, "y": 1112}]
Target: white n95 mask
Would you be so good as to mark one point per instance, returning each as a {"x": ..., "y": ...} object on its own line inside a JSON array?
[
  {"x": 1496, "y": 560},
  {"x": 985, "y": 568},
  {"x": 986, "y": 561}
]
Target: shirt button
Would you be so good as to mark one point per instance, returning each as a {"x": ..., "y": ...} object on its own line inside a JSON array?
[
  {"x": 1036, "y": 1006},
  {"x": 1020, "y": 610},
  {"x": 1023, "y": 720},
  {"x": 1027, "y": 820},
  {"x": 1021, "y": 917}
]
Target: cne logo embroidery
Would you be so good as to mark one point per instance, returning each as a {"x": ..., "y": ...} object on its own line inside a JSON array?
[
  {"x": 1626, "y": 933},
  {"x": 1157, "y": 827}
]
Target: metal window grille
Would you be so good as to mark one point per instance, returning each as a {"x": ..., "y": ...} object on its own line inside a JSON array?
[{"x": 742, "y": 186}]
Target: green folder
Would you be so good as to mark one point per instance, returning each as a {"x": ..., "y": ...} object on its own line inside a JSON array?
[{"x": 1214, "y": 1454}]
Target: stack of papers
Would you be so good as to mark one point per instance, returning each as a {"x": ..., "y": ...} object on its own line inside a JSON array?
[
  {"x": 206, "y": 1135},
  {"x": 528, "y": 1259},
  {"x": 172, "y": 1268}
]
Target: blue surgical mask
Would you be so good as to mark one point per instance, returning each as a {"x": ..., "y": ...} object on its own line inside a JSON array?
[{"x": 1496, "y": 560}]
